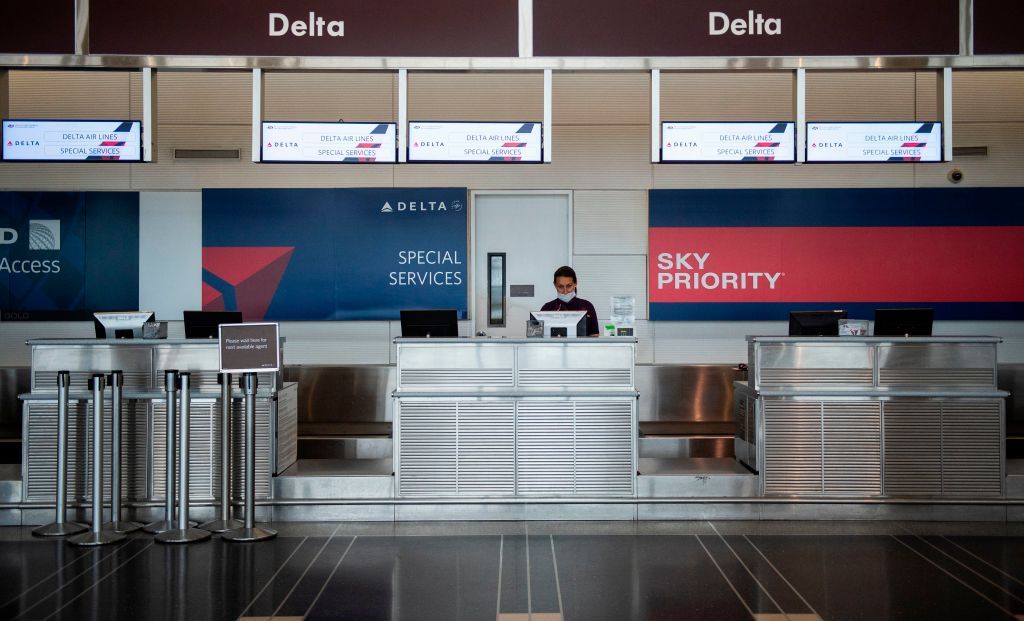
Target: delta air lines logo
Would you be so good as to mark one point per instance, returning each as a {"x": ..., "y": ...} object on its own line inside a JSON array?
[
  {"x": 407, "y": 206},
  {"x": 44, "y": 234}
]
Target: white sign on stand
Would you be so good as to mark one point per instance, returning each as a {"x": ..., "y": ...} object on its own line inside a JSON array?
[
  {"x": 343, "y": 143},
  {"x": 874, "y": 142},
  {"x": 727, "y": 142},
  {"x": 249, "y": 347},
  {"x": 492, "y": 143}
]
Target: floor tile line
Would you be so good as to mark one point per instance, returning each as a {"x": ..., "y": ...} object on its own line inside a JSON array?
[
  {"x": 980, "y": 559},
  {"x": 274, "y": 577},
  {"x": 69, "y": 580},
  {"x": 719, "y": 568},
  {"x": 328, "y": 580},
  {"x": 558, "y": 585},
  {"x": 780, "y": 574},
  {"x": 529, "y": 593},
  {"x": 970, "y": 569},
  {"x": 305, "y": 571},
  {"x": 501, "y": 561},
  {"x": 96, "y": 583},
  {"x": 943, "y": 570},
  {"x": 82, "y": 553},
  {"x": 756, "y": 581}
]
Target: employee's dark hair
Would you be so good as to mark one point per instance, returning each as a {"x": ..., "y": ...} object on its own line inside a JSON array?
[{"x": 564, "y": 271}]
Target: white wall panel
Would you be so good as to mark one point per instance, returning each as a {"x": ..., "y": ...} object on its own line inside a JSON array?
[
  {"x": 597, "y": 158},
  {"x": 13, "y": 334},
  {"x": 644, "y": 331},
  {"x": 783, "y": 176},
  {"x": 204, "y": 98},
  {"x": 718, "y": 96},
  {"x": 602, "y": 99},
  {"x": 70, "y": 176},
  {"x": 335, "y": 342},
  {"x": 327, "y": 97},
  {"x": 708, "y": 342},
  {"x": 988, "y": 96},
  {"x": 170, "y": 252},
  {"x": 476, "y": 97},
  {"x": 601, "y": 277},
  {"x": 87, "y": 95},
  {"x": 860, "y": 96},
  {"x": 166, "y": 173},
  {"x": 1002, "y": 166},
  {"x": 610, "y": 222}
]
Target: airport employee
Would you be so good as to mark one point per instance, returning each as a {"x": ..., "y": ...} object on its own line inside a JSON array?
[{"x": 565, "y": 285}]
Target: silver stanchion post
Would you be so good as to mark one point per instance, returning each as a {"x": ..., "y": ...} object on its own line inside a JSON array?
[
  {"x": 116, "y": 524},
  {"x": 96, "y": 536},
  {"x": 226, "y": 522},
  {"x": 182, "y": 533},
  {"x": 170, "y": 388},
  {"x": 249, "y": 532},
  {"x": 61, "y": 526}
]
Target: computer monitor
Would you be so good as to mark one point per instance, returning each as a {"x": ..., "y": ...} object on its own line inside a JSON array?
[
  {"x": 203, "y": 324},
  {"x": 815, "y": 323},
  {"x": 903, "y": 321},
  {"x": 443, "y": 323},
  {"x": 562, "y": 323},
  {"x": 121, "y": 324}
]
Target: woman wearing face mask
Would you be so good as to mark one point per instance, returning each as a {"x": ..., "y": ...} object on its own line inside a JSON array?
[{"x": 565, "y": 285}]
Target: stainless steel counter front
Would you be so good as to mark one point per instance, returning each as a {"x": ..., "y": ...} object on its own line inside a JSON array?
[
  {"x": 873, "y": 416},
  {"x": 143, "y": 362},
  {"x": 516, "y": 417}
]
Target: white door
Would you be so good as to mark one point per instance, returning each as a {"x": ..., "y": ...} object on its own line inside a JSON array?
[{"x": 533, "y": 232}]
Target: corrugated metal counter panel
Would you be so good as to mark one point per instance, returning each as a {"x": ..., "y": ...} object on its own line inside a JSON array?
[
  {"x": 931, "y": 447},
  {"x": 457, "y": 448},
  {"x": 40, "y": 468},
  {"x": 204, "y": 459},
  {"x": 522, "y": 447}
]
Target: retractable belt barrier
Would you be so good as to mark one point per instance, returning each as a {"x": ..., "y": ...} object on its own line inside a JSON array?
[
  {"x": 249, "y": 531},
  {"x": 225, "y": 522},
  {"x": 61, "y": 527},
  {"x": 96, "y": 536},
  {"x": 117, "y": 524},
  {"x": 182, "y": 532}
]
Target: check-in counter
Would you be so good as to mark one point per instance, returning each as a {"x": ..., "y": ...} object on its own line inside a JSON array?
[
  {"x": 872, "y": 416},
  {"x": 144, "y": 418},
  {"x": 478, "y": 417}
]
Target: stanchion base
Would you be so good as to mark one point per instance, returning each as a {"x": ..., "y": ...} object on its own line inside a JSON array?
[
  {"x": 101, "y": 538},
  {"x": 183, "y": 535},
  {"x": 219, "y": 526},
  {"x": 155, "y": 528},
  {"x": 60, "y": 529},
  {"x": 243, "y": 534},
  {"x": 123, "y": 526}
]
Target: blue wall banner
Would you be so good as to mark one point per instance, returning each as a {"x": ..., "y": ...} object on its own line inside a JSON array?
[
  {"x": 64, "y": 255},
  {"x": 758, "y": 254},
  {"x": 342, "y": 254}
]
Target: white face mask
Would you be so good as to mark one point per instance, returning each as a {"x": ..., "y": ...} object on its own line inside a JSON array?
[{"x": 567, "y": 297}]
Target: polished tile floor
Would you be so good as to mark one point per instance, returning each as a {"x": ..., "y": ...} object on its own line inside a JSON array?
[{"x": 533, "y": 571}]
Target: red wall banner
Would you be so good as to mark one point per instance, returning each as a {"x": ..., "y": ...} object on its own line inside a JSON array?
[{"x": 852, "y": 264}]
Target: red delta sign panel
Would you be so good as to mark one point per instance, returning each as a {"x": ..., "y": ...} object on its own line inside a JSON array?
[
  {"x": 758, "y": 254},
  {"x": 850, "y": 264}
]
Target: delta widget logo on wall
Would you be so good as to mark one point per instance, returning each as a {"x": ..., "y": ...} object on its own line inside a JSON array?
[{"x": 411, "y": 206}]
